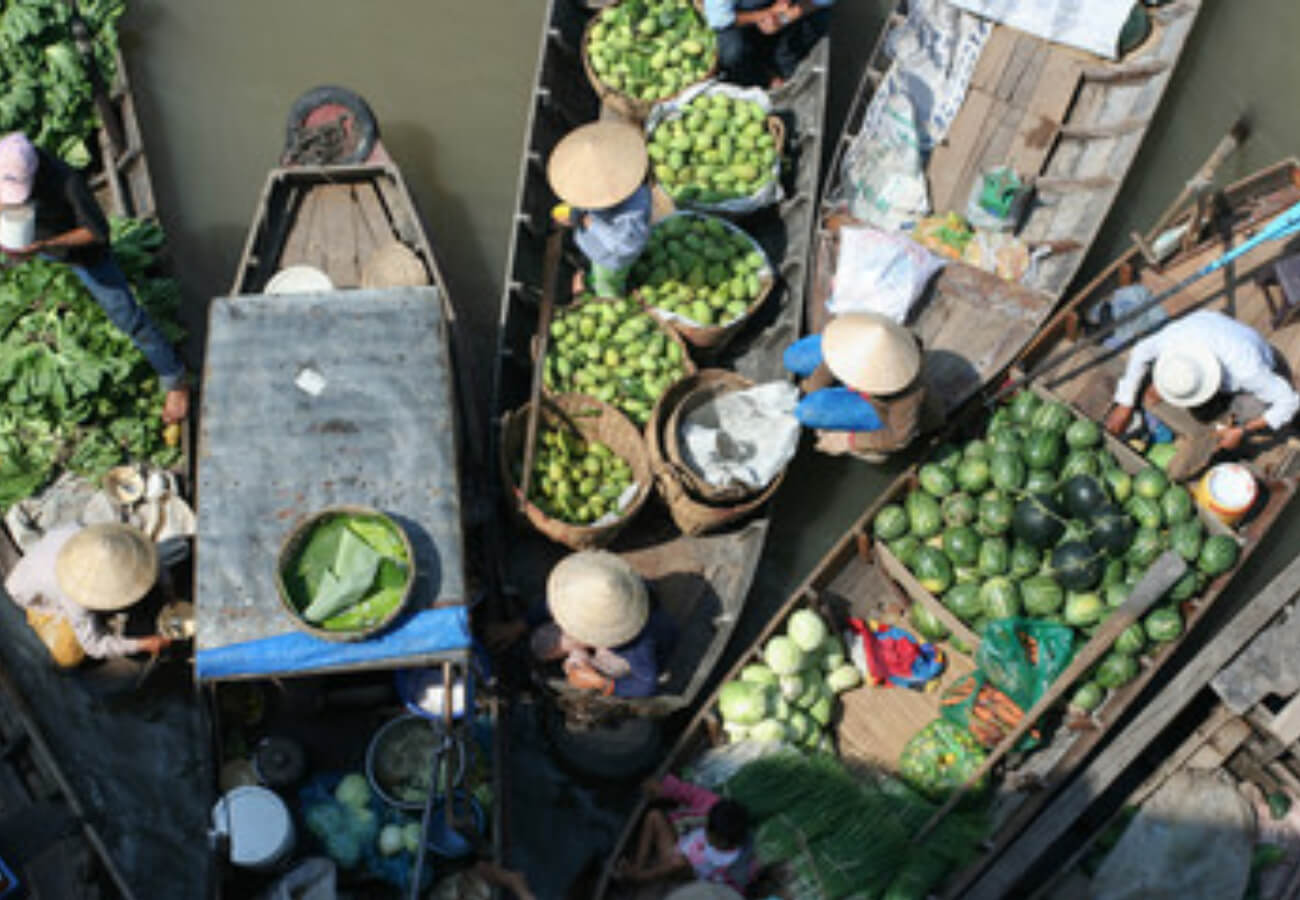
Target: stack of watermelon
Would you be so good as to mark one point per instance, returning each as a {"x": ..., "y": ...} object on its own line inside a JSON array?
[{"x": 1035, "y": 517}]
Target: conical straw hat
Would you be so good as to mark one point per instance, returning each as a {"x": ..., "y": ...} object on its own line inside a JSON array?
[
  {"x": 598, "y": 165},
  {"x": 107, "y": 567},
  {"x": 393, "y": 265},
  {"x": 871, "y": 353},
  {"x": 597, "y": 599}
]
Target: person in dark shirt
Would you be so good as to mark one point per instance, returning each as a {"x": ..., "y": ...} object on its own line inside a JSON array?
[{"x": 72, "y": 229}]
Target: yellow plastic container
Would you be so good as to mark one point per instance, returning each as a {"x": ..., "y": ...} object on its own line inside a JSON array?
[{"x": 1228, "y": 490}]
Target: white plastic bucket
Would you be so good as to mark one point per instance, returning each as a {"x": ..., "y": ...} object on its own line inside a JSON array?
[
  {"x": 257, "y": 825},
  {"x": 299, "y": 280},
  {"x": 17, "y": 226}
]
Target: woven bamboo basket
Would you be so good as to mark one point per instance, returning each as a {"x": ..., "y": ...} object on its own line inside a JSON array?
[
  {"x": 688, "y": 365},
  {"x": 715, "y": 337},
  {"x": 632, "y": 108},
  {"x": 708, "y": 384},
  {"x": 692, "y": 513},
  {"x": 593, "y": 420},
  {"x": 289, "y": 548},
  {"x": 775, "y": 127}
]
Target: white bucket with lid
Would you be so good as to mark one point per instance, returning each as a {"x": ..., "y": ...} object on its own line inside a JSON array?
[
  {"x": 17, "y": 226},
  {"x": 256, "y": 824},
  {"x": 1229, "y": 491},
  {"x": 299, "y": 280}
]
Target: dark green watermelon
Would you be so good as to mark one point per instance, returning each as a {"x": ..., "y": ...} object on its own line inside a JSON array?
[
  {"x": 1151, "y": 483},
  {"x": 1186, "y": 538},
  {"x": 1052, "y": 416},
  {"x": 1025, "y": 559},
  {"x": 1119, "y": 482},
  {"x": 927, "y": 623},
  {"x": 1185, "y": 587},
  {"x": 933, "y": 569},
  {"x": 1005, "y": 440},
  {"x": 959, "y": 508},
  {"x": 962, "y": 545},
  {"x": 1083, "y": 495},
  {"x": 995, "y": 514},
  {"x": 1040, "y": 481},
  {"x": 1001, "y": 598},
  {"x": 1115, "y": 594},
  {"x": 1145, "y": 511},
  {"x": 905, "y": 548},
  {"x": 1131, "y": 640},
  {"x": 936, "y": 480},
  {"x": 1080, "y": 462},
  {"x": 1042, "y": 450},
  {"x": 1041, "y": 595},
  {"x": 923, "y": 514},
  {"x": 1023, "y": 405},
  {"x": 1111, "y": 530},
  {"x": 964, "y": 601},
  {"x": 946, "y": 455},
  {"x": 890, "y": 523},
  {"x": 973, "y": 474},
  {"x": 1087, "y": 696},
  {"x": 1145, "y": 547},
  {"x": 994, "y": 556},
  {"x": 1084, "y": 608},
  {"x": 1177, "y": 505},
  {"x": 975, "y": 449},
  {"x": 1038, "y": 520},
  {"x": 1163, "y": 624},
  {"x": 1113, "y": 573},
  {"x": 1007, "y": 470},
  {"x": 1083, "y": 433},
  {"x": 1218, "y": 555},
  {"x": 1077, "y": 566},
  {"x": 1116, "y": 670}
]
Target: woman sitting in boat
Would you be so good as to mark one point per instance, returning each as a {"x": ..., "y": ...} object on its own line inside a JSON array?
[
  {"x": 71, "y": 229},
  {"x": 602, "y": 629},
  {"x": 1203, "y": 356},
  {"x": 72, "y": 577},
  {"x": 879, "y": 406},
  {"x": 599, "y": 173},
  {"x": 760, "y": 42}
]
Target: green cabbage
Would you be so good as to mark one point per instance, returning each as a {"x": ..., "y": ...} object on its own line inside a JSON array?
[
  {"x": 743, "y": 702},
  {"x": 353, "y": 791},
  {"x": 783, "y": 655},
  {"x": 806, "y": 629},
  {"x": 844, "y": 678}
]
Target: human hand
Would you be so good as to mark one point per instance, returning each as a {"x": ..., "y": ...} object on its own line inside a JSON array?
[
  {"x": 834, "y": 442},
  {"x": 176, "y": 405},
  {"x": 1117, "y": 419},
  {"x": 584, "y": 677},
  {"x": 1230, "y": 438},
  {"x": 153, "y": 644},
  {"x": 22, "y": 254},
  {"x": 770, "y": 23}
]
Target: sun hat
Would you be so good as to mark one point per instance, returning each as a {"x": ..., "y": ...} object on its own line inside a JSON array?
[
  {"x": 393, "y": 265},
  {"x": 704, "y": 890},
  {"x": 106, "y": 567},
  {"x": 1187, "y": 375},
  {"x": 871, "y": 352},
  {"x": 598, "y": 165},
  {"x": 597, "y": 599},
  {"x": 18, "y": 164}
]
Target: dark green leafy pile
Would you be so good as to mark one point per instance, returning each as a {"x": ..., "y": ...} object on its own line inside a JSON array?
[
  {"x": 45, "y": 89},
  {"x": 76, "y": 392},
  {"x": 842, "y": 834}
]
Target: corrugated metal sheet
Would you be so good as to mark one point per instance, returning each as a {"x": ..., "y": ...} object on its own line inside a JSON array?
[{"x": 379, "y": 430}]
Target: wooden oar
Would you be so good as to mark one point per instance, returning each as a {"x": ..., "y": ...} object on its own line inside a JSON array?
[
  {"x": 1196, "y": 185},
  {"x": 1159, "y": 578},
  {"x": 1285, "y": 225},
  {"x": 550, "y": 273}
]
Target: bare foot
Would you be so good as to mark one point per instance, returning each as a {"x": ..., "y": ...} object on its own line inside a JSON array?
[{"x": 579, "y": 282}]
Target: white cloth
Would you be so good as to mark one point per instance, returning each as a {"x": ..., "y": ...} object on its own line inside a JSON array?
[
  {"x": 1246, "y": 358},
  {"x": 33, "y": 585},
  {"x": 744, "y": 437},
  {"x": 1092, "y": 25}
]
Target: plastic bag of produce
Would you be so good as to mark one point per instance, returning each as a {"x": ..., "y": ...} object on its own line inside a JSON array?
[
  {"x": 939, "y": 758},
  {"x": 726, "y": 146},
  {"x": 878, "y": 271},
  {"x": 1022, "y": 657},
  {"x": 989, "y": 715}
]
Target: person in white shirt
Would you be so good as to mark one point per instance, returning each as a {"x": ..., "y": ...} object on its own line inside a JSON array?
[{"x": 1196, "y": 357}]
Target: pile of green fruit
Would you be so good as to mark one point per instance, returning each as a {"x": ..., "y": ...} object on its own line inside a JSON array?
[
  {"x": 575, "y": 480},
  {"x": 651, "y": 49},
  {"x": 715, "y": 148},
  {"x": 613, "y": 351},
  {"x": 700, "y": 268},
  {"x": 1035, "y": 517},
  {"x": 789, "y": 697}
]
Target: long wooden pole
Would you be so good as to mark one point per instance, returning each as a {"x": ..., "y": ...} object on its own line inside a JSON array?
[
  {"x": 1158, "y": 579},
  {"x": 550, "y": 273}
]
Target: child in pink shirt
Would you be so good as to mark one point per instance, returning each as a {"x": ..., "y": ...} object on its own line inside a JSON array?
[{"x": 702, "y": 835}]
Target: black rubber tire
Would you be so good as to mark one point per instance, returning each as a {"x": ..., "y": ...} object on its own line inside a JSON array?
[
  {"x": 363, "y": 118},
  {"x": 621, "y": 751}
]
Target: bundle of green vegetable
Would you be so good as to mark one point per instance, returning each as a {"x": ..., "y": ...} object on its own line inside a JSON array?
[
  {"x": 77, "y": 393},
  {"x": 1035, "y": 517},
  {"x": 716, "y": 148},
  {"x": 789, "y": 697},
  {"x": 346, "y": 572},
  {"x": 701, "y": 268},
  {"x": 614, "y": 351},
  {"x": 836, "y": 833},
  {"x": 650, "y": 49},
  {"x": 45, "y": 89}
]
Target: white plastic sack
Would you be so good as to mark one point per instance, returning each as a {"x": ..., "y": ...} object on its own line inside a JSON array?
[
  {"x": 745, "y": 437},
  {"x": 885, "y": 173},
  {"x": 882, "y": 272},
  {"x": 767, "y": 195},
  {"x": 1092, "y": 25}
]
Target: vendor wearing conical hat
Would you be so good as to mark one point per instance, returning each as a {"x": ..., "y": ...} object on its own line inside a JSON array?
[
  {"x": 877, "y": 407},
  {"x": 599, "y": 172},
  {"x": 72, "y": 576}
]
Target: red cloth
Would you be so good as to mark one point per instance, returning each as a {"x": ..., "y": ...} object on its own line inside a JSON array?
[{"x": 885, "y": 655}]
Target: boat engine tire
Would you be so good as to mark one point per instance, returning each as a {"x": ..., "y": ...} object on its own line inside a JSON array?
[
  {"x": 618, "y": 751},
  {"x": 364, "y": 128}
]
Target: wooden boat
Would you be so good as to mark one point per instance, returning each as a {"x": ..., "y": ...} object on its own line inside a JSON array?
[
  {"x": 862, "y": 576},
  {"x": 335, "y": 218},
  {"x": 702, "y": 581},
  {"x": 1068, "y": 122}
]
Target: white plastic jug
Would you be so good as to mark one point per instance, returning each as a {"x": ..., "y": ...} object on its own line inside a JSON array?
[{"x": 256, "y": 824}]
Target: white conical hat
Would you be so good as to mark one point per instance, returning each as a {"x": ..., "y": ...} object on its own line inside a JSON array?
[
  {"x": 1187, "y": 375},
  {"x": 596, "y": 598},
  {"x": 870, "y": 352},
  {"x": 598, "y": 165},
  {"x": 107, "y": 567}
]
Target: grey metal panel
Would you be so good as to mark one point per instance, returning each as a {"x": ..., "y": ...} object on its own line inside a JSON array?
[{"x": 381, "y": 433}]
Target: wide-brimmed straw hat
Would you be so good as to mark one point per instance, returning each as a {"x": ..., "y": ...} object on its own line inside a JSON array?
[
  {"x": 870, "y": 352},
  {"x": 597, "y": 598},
  {"x": 1187, "y": 375},
  {"x": 393, "y": 265},
  {"x": 598, "y": 165},
  {"x": 704, "y": 890},
  {"x": 107, "y": 567}
]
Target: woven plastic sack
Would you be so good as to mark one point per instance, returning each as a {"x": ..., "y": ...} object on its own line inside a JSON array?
[
  {"x": 939, "y": 758},
  {"x": 1022, "y": 657}
]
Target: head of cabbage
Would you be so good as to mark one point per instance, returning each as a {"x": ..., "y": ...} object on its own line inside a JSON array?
[
  {"x": 807, "y": 629},
  {"x": 743, "y": 702}
]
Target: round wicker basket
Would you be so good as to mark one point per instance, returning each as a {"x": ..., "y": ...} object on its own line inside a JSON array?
[
  {"x": 775, "y": 127},
  {"x": 289, "y": 548},
  {"x": 593, "y": 420}
]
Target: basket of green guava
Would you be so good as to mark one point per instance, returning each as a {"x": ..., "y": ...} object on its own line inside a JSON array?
[{"x": 345, "y": 572}]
